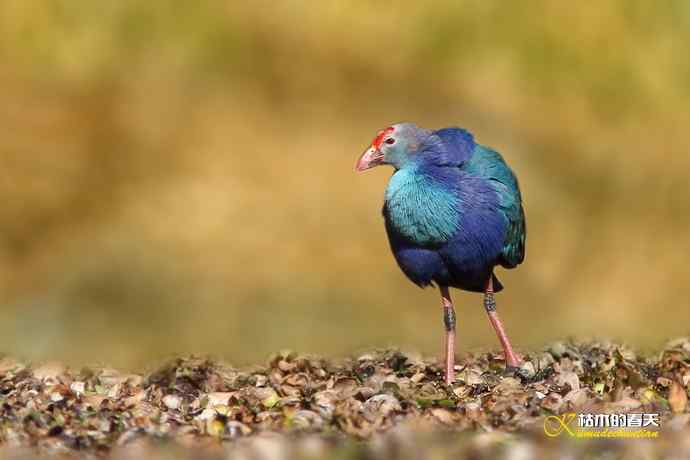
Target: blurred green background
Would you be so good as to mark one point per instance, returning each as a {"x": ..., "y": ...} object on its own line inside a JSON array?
[{"x": 178, "y": 176}]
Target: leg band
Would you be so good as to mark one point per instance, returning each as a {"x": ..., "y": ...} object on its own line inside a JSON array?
[
  {"x": 449, "y": 318},
  {"x": 489, "y": 302}
]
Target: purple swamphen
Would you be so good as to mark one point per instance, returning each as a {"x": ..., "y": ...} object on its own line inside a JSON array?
[{"x": 452, "y": 212}]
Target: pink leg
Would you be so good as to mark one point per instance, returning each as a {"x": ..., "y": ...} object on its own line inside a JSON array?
[
  {"x": 449, "y": 322},
  {"x": 490, "y": 305}
]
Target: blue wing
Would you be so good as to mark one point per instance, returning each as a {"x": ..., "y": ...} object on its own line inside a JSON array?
[
  {"x": 488, "y": 164},
  {"x": 455, "y": 147}
]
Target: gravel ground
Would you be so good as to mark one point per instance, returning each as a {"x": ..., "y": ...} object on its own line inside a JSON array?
[{"x": 382, "y": 404}]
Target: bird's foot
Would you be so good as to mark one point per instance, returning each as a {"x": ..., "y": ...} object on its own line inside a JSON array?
[
  {"x": 519, "y": 372},
  {"x": 449, "y": 377},
  {"x": 509, "y": 370},
  {"x": 512, "y": 359}
]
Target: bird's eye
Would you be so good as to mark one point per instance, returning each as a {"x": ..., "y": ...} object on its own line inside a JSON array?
[{"x": 390, "y": 140}]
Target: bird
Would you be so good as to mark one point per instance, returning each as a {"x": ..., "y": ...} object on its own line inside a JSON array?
[{"x": 452, "y": 212}]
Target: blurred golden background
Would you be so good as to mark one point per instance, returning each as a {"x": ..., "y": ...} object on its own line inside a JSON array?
[{"x": 178, "y": 176}]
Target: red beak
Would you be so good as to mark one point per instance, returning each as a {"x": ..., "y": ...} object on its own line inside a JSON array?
[{"x": 369, "y": 159}]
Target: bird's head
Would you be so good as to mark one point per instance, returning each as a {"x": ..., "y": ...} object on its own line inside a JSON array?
[{"x": 393, "y": 146}]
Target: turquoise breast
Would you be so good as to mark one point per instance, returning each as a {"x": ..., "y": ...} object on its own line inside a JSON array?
[{"x": 420, "y": 209}]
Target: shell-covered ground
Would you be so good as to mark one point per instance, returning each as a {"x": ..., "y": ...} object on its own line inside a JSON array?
[{"x": 382, "y": 404}]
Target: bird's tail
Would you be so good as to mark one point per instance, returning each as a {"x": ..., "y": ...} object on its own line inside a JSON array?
[
  {"x": 498, "y": 287},
  {"x": 479, "y": 284}
]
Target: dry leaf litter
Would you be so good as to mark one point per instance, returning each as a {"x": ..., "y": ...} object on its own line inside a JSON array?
[{"x": 382, "y": 404}]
